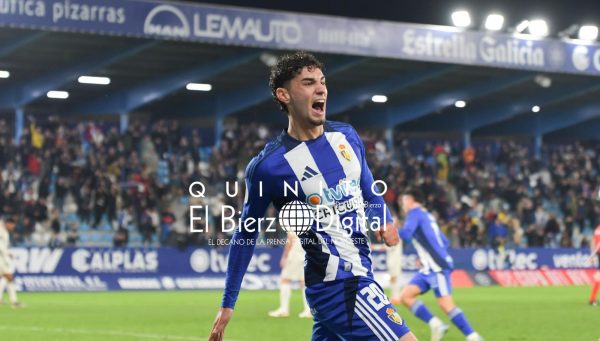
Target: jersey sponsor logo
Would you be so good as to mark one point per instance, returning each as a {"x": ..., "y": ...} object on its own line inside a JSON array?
[
  {"x": 309, "y": 173},
  {"x": 393, "y": 315},
  {"x": 332, "y": 195},
  {"x": 338, "y": 208},
  {"x": 314, "y": 199},
  {"x": 345, "y": 152}
]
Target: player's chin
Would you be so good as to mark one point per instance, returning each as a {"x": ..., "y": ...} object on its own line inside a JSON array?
[
  {"x": 317, "y": 121},
  {"x": 317, "y": 118}
]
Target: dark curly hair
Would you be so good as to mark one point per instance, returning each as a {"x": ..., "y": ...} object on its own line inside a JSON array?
[{"x": 287, "y": 67}]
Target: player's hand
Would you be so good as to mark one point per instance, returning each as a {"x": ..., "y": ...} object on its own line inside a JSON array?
[
  {"x": 218, "y": 329},
  {"x": 389, "y": 234}
]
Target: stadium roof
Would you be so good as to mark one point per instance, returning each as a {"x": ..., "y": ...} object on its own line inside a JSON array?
[{"x": 149, "y": 76}]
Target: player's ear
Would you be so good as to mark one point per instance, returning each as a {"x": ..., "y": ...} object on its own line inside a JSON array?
[{"x": 283, "y": 95}]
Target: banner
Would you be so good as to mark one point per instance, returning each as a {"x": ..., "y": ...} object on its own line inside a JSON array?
[
  {"x": 283, "y": 30},
  {"x": 101, "y": 269}
]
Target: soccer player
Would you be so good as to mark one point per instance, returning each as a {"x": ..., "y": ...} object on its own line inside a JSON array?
[
  {"x": 326, "y": 160},
  {"x": 292, "y": 269},
  {"x": 596, "y": 285},
  {"x": 6, "y": 268},
  {"x": 432, "y": 247},
  {"x": 393, "y": 259},
  {"x": 394, "y": 268}
]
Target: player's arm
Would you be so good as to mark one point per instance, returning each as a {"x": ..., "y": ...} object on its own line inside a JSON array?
[
  {"x": 376, "y": 209},
  {"x": 240, "y": 254},
  {"x": 410, "y": 226}
]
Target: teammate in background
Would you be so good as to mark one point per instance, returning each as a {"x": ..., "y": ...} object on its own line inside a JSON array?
[
  {"x": 6, "y": 268},
  {"x": 320, "y": 157},
  {"x": 596, "y": 285},
  {"x": 437, "y": 264},
  {"x": 292, "y": 269}
]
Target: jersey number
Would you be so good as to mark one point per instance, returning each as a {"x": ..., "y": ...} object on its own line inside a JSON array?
[{"x": 375, "y": 296}]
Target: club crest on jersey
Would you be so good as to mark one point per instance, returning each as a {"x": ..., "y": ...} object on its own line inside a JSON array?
[
  {"x": 345, "y": 152},
  {"x": 393, "y": 315}
]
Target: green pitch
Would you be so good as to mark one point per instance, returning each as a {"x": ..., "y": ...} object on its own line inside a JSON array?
[{"x": 497, "y": 313}]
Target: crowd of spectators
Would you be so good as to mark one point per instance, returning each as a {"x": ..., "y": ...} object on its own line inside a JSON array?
[
  {"x": 496, "y": 193},
  {"x": 136, "y": 182}
]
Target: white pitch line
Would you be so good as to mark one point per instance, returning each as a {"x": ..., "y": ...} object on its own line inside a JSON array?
[{"x": 101, "y": 332}]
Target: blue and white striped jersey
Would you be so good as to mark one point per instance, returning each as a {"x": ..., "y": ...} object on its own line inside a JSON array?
[
  {"x": 331, "y": 171},
  {"x": 429, "y": 241}
]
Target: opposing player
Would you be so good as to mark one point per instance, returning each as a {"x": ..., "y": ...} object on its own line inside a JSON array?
[
  {"x": 292, "y": 269},
  {"x": 596, "y": 284},
  {"x": 326, "y": 161},
  {"x": 394, "y": 267},
  {"x": 6, "y": 268},
  {"x": 432, "y": 248},
  {"x": 393, "y": 260}
]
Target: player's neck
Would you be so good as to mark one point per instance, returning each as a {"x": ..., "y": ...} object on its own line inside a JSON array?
[{"x": 303, "y": 132}]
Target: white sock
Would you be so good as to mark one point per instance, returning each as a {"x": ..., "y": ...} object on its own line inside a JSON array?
[
  {"x": 12, "y": 292},
  {"x": 306, "y": 307},
  {"x": 435, "y": 322},
  {"x": 285, "y": 292},
  {"x": 2, "y": 286}
]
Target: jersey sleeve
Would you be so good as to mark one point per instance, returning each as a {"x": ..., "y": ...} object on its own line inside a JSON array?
[
  {"x": 376, "y": 208},
  {"x": 410, "y": 225},
  {"x": 240, "y": 254}
]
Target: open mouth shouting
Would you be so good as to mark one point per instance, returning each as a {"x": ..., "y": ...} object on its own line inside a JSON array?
[{"x": 318, "y": 107}]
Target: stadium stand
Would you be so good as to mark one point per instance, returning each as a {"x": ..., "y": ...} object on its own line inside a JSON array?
[{"x": 86, "y": 184}]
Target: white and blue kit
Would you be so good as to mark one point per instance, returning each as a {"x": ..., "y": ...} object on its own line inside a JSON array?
[
  {"x": 330, "y": 170},
  {"x": 432, "y": 248}
]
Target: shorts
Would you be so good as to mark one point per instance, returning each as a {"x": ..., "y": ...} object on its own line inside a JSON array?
[
  {"x": 438, "y": 281},
  {"x": 293, "y": 269},
  {"x": 394, "y": 260},
  {"x": 353, "y": 309}
]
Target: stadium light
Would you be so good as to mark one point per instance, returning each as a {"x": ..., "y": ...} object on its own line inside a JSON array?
[
  {"x": 535, "y": 108},
  {"x": 198, "y": 87},
  {"x": 57, "y": 94},
  {"x": 4, "y": 74},
  {"x": 268, "y": 59},
  {"x": 588, "y": 32},
  {"x": 460, "y": 104},
  {"x": 94, "y": 80},
  {"x": 522, "y": 26},
  {"x": 379, "y": 98},
  {"x": 538, "y": 27},
  {"x": 494, "y": 22},
  {"x": 461, "y": 19}
]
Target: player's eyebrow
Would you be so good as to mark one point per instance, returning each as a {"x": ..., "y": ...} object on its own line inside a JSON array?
[{"x": 312, "y": 79}]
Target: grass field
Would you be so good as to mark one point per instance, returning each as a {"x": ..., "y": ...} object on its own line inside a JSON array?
[{"x": 558, "y": 313}]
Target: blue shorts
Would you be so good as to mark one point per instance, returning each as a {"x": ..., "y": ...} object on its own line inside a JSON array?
[
  {"x": 438, "y": 281},
  {"x": 353, "y": 309}
]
